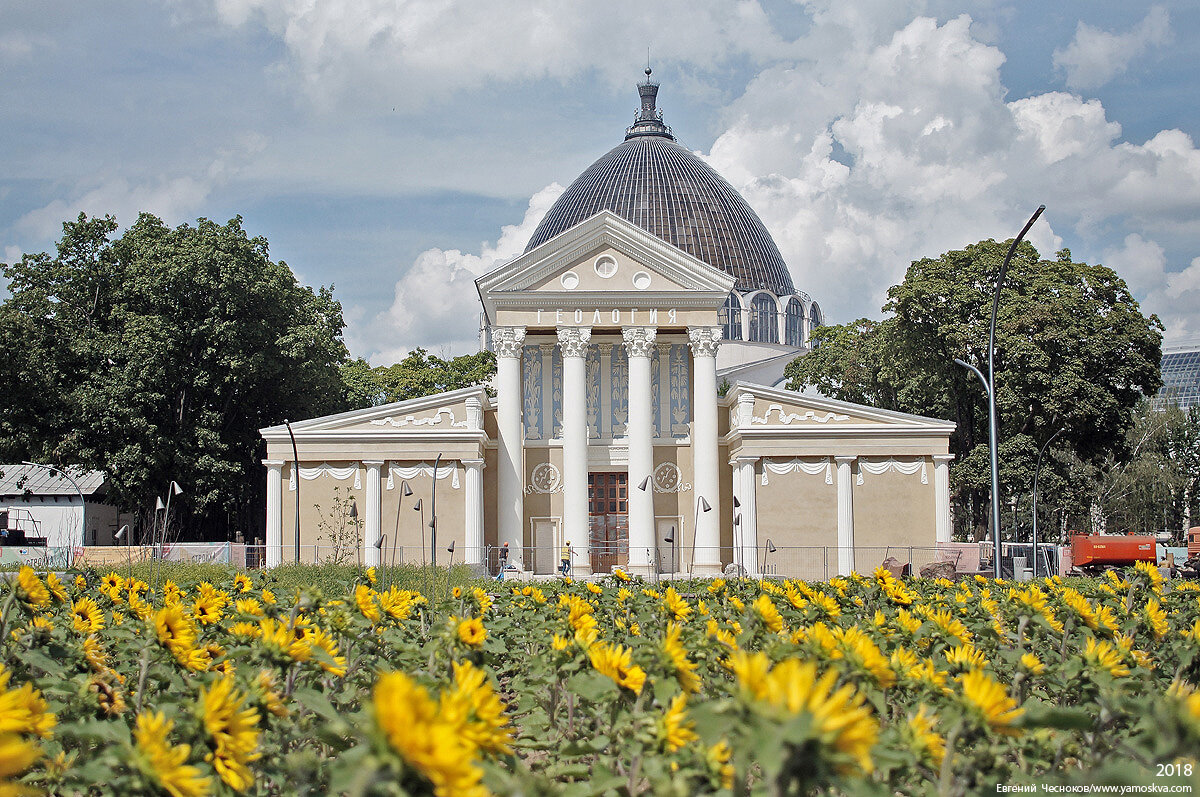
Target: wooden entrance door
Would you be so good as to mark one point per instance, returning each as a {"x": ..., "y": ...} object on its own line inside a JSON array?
[{"x": 608, "y": 507}]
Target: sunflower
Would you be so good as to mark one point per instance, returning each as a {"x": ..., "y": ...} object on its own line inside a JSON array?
[
  {"x": 248, "y": 606},
  {"x": 16, "y": 756},
  {"x": 1032, "y": 664},
  {"x": 595, "y": 589},
  {"x": 676, "y": 654},
  {"x": 616, "y": 662},
  {"x": 1105, "y": 657},
  {"x": 472, "y": 633},
  {"x": 177, "y": 633},
  {"x": 364, "y": 599},
  {"x": 1152, "y": 573},
  {"x": 925, "y": 741},
  {"x": 264, "y": 685},
  {"x": 206, "y": 610},
  {"x": 31, "y": 589},
  {"x": 165, "y": 764},
  {"x": 717, "y": 758},
  {"x": 674, "y": 728},
  {"x": 966, "y": 657},
  {"x": 765, "y": 608},
  {"x": 991, "y": 703},
  {"x": 242, "y": 583},
  {"x": 429, "y": 743},
  {"x": 56, "y": 587},
  {"x": 474, "y": 705},
  {"x": 1156, "y": 618},
  {"x": 233, "y": 730},
  {"x": 24, "y": 710},
  {"x": 108, "y": 695},
  {"x": 482, "y": 599},
  {"x": 676, "y": 605},
  {"x": 279, "y": 639}
]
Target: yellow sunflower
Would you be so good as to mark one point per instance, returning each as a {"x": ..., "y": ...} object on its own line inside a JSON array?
[
  {"x": 166, "y": 764},
  {"x": 233, "y": 730},
  {"x": 674, "y": 728},
  {"x": 616, "y": 662},
  {"x": 31, "y": 589},
  {"x": 472, "y": 633},
  {"x": 990, "y": 702}
]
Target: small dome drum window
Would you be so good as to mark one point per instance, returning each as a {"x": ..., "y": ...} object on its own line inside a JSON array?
[
  {"x": 764, "y": 319},
  {"x": 793, "y": 323},
  {"x": 730, "y": 317}
]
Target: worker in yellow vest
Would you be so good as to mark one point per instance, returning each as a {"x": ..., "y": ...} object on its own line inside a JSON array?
[{"x": 566, "y": 559}]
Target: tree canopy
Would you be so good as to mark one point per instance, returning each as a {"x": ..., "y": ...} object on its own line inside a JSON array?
[
  {"x": 418, "y": 374},
  {"x": 1073, "y": 351},
  {"x": 158, "y": 354}
]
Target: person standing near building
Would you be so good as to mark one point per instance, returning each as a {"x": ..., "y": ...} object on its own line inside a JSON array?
[
  {"x": 566, "y": 559},
  {"x": 503, "y": 560}
]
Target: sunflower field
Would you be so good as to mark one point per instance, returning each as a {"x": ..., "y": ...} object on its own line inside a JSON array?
[{"x": 862, "y": 685}]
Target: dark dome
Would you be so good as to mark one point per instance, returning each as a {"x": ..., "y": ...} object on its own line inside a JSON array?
[{"x": 665, "y": 189}]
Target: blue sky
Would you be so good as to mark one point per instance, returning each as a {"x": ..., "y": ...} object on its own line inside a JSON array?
[{"x": 398, "y": 148}]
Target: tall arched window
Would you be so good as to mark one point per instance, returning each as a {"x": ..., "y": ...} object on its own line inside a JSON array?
[
  {"x": 815, "y": 319},
  {"x": 793, "y": 323},
  {"x": 731, "y": 317},
  {"x": 764, "y": 319}
]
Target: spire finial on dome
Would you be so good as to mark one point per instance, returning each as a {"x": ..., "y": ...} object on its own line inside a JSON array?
[{"x": 648, "y": 121}]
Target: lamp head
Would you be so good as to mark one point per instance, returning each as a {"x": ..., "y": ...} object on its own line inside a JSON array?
[
  {"x": 771, "y": 546},
  {"x": 417, "y": 505},
  {"x": 670, "y": 538},
  {"x": 736, "y": 502},
  {"x": 405, "y": 489},
  {"x": 158, "y": 504},
  {"x": 450, "y": 547},
  {"x": 737, "y": 519},
  {"x": 378, "y": 544},
  {"x": 704, "y": 505},
  {"x": 645, "y": 483},
  {"x": 121, "y": 532},
  {"x": 176, "y": 488},
  {"x": 353, "y": 511}
]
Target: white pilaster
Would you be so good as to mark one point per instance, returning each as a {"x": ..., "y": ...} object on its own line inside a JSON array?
[
  {"x": 547, "y": 352},
  {"x": 639, "y": 342},
  {"x": 747, "y": 530},
  {"x": 941, "y": 495},
  {"x": 371, "y": 518},
  {"x": 704, "y": 342},
  {"x": 845, "y": 515},
  {"x": 510, "y": 506},
  {"x": 574, "y": 344},
  {"x": 473, "y": 512},
  {"x": 274, "y": 546}
]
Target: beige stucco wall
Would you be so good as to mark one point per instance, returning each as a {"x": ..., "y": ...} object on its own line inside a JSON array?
[
  {"x": 798, "y": 513},
  {"x": 892, "y": 509}
]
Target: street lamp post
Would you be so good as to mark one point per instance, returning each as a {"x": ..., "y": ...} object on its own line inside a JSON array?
[
  {"x": 701, "y": 506},
  {"x": 296, "y": 476},
  {"x": 1036, "y": 473},
  {"x": 433, "y": 516},
  {"x": 990, "y": 384},
  {"x": 405, "y": 490}
]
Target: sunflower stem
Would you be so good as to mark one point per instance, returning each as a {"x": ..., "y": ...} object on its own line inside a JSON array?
[
  {"x": 946, "y": 776},
  {"x": 143, "y": 671}
]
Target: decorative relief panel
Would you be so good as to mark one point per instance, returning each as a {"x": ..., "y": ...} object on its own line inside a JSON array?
[
  {"x": 681, "y": 390},
  {"x": 669, "y": 479},
  {"x": 531, "y": 387},
  {"x": 592, "y": 375},
  {"x": 619, "y": 390},
  {"x": 806, "y": 416},
  {"x": 556, "y": 392},
  {"x": 655, "y": 391},
  {"x": 545, "y": 479},
  {"x": 410, "y": 420},
  {"x": 880, "y": 467}
]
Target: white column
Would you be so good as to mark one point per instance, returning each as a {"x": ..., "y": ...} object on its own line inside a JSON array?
[
  {"x": 747, "y": 531},
  {"x": 639, "y": 343},
  {"x": 845, "y": 515},
  {"x": 274, "y": 539},
  {"x": 704, "y": 342},
  {"x": 473, "y": 512},
  {"x": 941, "y": 495},
  {"x": 371, "y": 518},
  {"x": 510, "y": 506},
  {"x": 576, "y": 530}
]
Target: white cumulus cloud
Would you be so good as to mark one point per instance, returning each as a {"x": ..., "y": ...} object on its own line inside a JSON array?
[
  {"x": 436, "y": 304},
  {"x": 1094, "y": 56}
]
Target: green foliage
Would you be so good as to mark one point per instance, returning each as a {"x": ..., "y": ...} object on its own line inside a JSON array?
[
  {"x": 340, "y": 529},
  {"x": 1073, "y": 350},
  {"x": 418, "y": 374},
  {"x": 159, "y": 353}
]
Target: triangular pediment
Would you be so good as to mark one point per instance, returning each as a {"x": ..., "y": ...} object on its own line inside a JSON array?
[
  {"x": 756, "y": 407},
  {"x": 457, "y": 411},
  {"x": 605, "y": 261}
]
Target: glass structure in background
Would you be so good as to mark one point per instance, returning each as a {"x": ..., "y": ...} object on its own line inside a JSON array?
[{"x": 1180, "y": 375}]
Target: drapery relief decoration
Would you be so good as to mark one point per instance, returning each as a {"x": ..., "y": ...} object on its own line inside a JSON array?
[
  {"x": 545, "y": 479},
  {"x": 325, "y": 469},
  {"x": 656, "y": 390},
  {"x": 669, "y": 479},
  {"x": 789, "y": 417},
  {"x": 592, "y": 375},
  {"x": 531, "y": 388},
  {"x": 411, "y": 420},
  {"x": 811, "y": 467},
  {"x": 880, "y": 467},
  {"x": 406, "y": 472},
  {"x": 681, "y": 400},
  {"x": 619, "y": 391},
  {"x": 556, "y": 394}
]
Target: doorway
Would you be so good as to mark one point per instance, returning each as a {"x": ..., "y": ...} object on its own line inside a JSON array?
[
  {"x": 608, "y": 510},
  {"x": 545, "y": 545}
]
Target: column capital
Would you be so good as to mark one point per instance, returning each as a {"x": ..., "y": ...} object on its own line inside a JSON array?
[
  {"x": 507, "y": 341},
  {"x": 704, "y": 341},
  {"x": 574, "y": 340},
  {"x": 372, "y": 463},
  {"x": 472, "y": 463},
  {"x": 746, "y": 460},
  {"x": 275, "y": 463},
  {"x": 639, "y": 340},
  {"x": 845, "y": 460},
  {"x": 546, "y": 348},
  {"x": 943, "y": 458},
  {"x": 474, "y": 413}
]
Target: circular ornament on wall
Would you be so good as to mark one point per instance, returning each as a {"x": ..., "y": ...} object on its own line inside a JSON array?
[
  {"x": 545, "y": 479},
  {"x": 569, "y": 280},
  {"x": 641, "y": 280},
  {"x": 605, "y": 266}
]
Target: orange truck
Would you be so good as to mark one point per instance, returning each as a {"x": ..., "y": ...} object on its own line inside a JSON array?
[
  {"x": 1193, "y": 543},
  {"x": 1096, "y": 552}
]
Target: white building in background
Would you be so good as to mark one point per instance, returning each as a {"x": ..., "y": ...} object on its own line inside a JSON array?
[
  {"x": 640, "y": 340},
  {"x": 39, "y": 507}
]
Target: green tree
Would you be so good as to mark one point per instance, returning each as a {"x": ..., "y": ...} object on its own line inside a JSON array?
[
  {"x": 158, "y": 354},
  {"x": 1073, "y": 350},
  {"x": 423, "y": 374}
]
